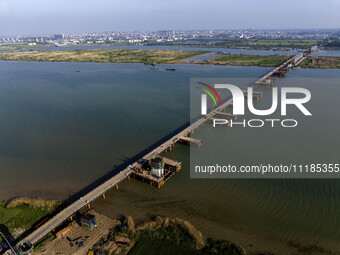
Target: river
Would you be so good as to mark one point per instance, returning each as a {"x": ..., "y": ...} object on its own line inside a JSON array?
[{"x": 61, "y": 130}]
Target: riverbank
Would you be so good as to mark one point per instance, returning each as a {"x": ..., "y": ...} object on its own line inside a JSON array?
[
  {"x": 20, "y": 214},
  {"x": 141, "y": 56},
  {"x": 162, "y": 56},
  {"x": 19, "y": 47},
  {"x": 248, "y": 60},
  {"x": 321, "y": 62},
  {"x": 102, "y": 55},
  {"x": 247, "y": 43},
  {"x": 165, "y": 235},
  {"x": 76, "y": 239},
  {"x": 162, "y": 235}
]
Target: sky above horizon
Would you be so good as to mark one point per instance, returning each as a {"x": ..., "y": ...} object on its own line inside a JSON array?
[{"x": 37, "y": 17}]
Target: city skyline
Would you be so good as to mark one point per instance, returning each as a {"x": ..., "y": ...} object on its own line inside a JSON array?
[{"x": 41, "y": 17}]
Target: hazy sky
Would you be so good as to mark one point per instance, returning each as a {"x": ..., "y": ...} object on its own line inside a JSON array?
[{"x": 23, "y": 17}]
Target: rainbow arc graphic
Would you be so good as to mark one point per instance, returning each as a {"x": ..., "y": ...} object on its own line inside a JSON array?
[{"x": 209, "y": 93}]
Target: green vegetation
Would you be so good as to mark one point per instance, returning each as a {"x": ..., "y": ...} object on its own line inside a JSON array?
[
  {"x": 175, "y": 236},
  {"x": 249, "y": 60},
  {"x": 102, "y": 55},
  {"x": 175, "y": 231},
  {"x": 321, "y": 62},
  {"x": 331, "y": 44},
  {"x": 20, "y": 46},
  {"x": 139, "y": 56},
  {"x": 22, "y": 213},
  {"x": 43, "y": 241},
  {"x": 252, "y": 43},
  {"x": 267, "y": 44},
  {"x": 162, "y": 56}
]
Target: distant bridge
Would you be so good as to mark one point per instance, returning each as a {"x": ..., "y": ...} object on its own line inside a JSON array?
[{"x": 281, "y": 70}]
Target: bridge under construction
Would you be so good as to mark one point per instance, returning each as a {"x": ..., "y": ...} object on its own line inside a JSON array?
[
  {"x": 270, "y": 78},
  {"x": 135, "y": 170}
]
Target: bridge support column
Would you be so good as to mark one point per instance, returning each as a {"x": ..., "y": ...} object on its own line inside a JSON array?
[
  {"x": 88, "y": 206},
  {"x": 103, "y": 195},
  {"x": 128, "y": 177},
  {"x": 116, "y": 186}
]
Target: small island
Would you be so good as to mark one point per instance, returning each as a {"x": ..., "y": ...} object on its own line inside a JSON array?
[{"x": 152, "y": 57}]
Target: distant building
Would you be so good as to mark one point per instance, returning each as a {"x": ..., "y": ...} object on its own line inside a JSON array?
[
  {"x": 166, "y": 33},
  {"x": 58, "y": 37},
  {"x": 88, "y": 221}
]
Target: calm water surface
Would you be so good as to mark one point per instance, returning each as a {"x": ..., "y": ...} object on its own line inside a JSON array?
[{"x": 328, "y": 53}]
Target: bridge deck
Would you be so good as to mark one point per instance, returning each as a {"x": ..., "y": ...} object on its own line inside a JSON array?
[
  {"x": 295, "y": 61},
  {"x": 74, "y": 207},
  {"x": 191, "y": 140},
  {"x": 172, "y": 163}
]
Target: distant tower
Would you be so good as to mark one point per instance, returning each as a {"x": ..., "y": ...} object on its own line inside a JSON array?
[{"x": 157, "y": 166}]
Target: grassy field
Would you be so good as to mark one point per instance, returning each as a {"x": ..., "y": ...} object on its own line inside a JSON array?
[
  {"x": 161, "y": 56},
  {"x": 22, "y": 213},
  {"x": 321, "y": 62},
  {"x": 20, "y": 46},
  {"x": 281, "y": 43},
  {"x": 331, "y": 44},
  {"x": 252, "y": 43},
  {"x": 249, "y": 60},
  {"x": 102, "y": 55}
]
